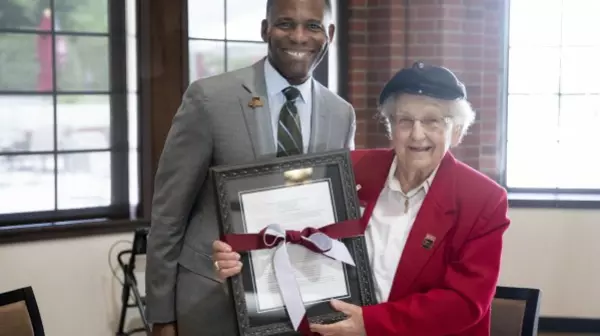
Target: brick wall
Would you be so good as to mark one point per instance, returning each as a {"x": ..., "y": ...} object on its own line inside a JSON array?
[{"x": 463, "y": 35}]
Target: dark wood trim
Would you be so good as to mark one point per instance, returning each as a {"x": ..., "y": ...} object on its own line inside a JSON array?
[
  {"x": 162, "y": 60},
  {"x": 569, "y": 324},
  {"x": 502, "y": 125},
  {"x": 119, "y": 126},
  {"x": 68, "y": 230},
  {"x": 558, "y": 193},
  {"x": 185, "y": 51},
  {"x": 547, "y": 200},
  {"x": 144, "y": 101},
  {"x": 553, "y": 204},
  {"x": 42, "y": 217},
  {"x": 321, "y": 72},
  {"x": 343, "y": 47}
]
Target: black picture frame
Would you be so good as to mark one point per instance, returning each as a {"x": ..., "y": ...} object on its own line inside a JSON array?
[{"x": 231, "y": 180}]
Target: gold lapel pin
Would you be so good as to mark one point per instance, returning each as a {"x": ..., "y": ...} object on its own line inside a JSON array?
[
  {"x": 428, "y": 241},
  {"x": 255, "y": 102}
]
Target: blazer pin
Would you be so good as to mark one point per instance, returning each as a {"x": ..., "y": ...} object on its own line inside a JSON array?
[
  {"x": 428, "y": 241},
  {"x": 255, "y": 102}
]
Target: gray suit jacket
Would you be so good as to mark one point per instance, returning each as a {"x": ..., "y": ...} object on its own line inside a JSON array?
[{"x": 214, "y": 126}]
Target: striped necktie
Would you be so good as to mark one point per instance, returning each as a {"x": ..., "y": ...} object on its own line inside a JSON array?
[{"x": 289, "y": 131}]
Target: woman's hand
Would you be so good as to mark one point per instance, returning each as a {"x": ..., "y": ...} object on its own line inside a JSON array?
[
  {"x": 354, "y": 325},
  {"x": 226, "y": 262}
]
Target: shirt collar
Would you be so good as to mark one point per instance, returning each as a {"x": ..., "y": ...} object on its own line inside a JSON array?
[
  {"x": 394, "y": 184},
  {"x": 276, "y": 83}
]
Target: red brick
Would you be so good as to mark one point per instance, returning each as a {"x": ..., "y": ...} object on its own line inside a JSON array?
[
  {"x": 357, "y": 50},
  {"x": 358, "y": 13},
  {"x": 455, "y": 12},
  {"x": 451, "y": 25},
  {"x": 453, "y": 2},
  {"x": 358, "y": 27},
  {"x": 358, "y": 3},
  {"x": 417, "y": 24},
  {"x": 428, "y": 11},
  {"x": 487, "y": 163},
  {"x": 426, "y": 37}
]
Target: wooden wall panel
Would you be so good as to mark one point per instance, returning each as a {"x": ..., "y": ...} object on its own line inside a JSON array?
[{"x": 162, "y": 57}]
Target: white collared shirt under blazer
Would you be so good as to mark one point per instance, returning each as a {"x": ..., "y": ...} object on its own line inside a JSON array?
[
  {"x": 275, "y": 85},
  {"x": 388, "y": 229}
]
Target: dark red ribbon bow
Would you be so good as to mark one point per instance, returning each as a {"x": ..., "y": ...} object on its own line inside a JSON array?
[
  {"x": 257, "y": 241},
  {"x": 295, "y": 237}
]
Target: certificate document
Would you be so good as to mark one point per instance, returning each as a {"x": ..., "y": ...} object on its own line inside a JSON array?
[{"x": 293, "y": 208}]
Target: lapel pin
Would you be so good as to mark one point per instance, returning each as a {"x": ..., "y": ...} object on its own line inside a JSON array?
[
  {"x": 255, "y": 102},
  {"x": 358, "y": 187},
  {"x": 428, "y": 241}
]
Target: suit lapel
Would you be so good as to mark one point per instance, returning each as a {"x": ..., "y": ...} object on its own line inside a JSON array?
[
  {"x": 320, "y": 121},
  {"x": 434, "y": 220},
  {"x": 257, "y": 118}
]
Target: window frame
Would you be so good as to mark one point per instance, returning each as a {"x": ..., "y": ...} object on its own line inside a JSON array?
[
  {"x": 531, "y": 197},
  {"x": 117, "y": 216}
]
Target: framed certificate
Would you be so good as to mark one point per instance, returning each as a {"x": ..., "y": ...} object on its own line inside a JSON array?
[{"x": 293, "y": 193}]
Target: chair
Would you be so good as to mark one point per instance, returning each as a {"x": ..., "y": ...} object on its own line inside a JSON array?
[
  {"x": 515, "y": 311},
  {"x": 130, "y": 284},
  {"x": 19, "y": 314}
]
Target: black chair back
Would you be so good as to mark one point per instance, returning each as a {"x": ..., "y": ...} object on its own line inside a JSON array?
[
  {"x": 19, "y": 314},
  {"x": 515, "y": 311}
]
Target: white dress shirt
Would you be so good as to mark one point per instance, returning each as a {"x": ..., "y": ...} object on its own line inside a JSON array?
[
  {"x": 390, "y": 223},
  {"x": 275, "y": 85}
]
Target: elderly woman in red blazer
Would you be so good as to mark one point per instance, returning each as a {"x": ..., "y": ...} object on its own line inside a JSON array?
[{"x": 435, "y": 225}]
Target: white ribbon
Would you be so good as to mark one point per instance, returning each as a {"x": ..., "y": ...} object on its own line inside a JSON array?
[{"x": 284, "y": 272}]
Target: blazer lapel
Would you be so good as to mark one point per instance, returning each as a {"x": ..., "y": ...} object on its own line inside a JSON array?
[
  {"x": 257, "y": 118},
  {"x": 370, "y": 167},
  {"x": 321, "y": 121},
  {"x": 435, "y": 219}
]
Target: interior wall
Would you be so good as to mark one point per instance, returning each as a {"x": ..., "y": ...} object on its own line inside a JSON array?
[
  {"x": 557, "y": 251},
  {"x": 76, "y": 291}
]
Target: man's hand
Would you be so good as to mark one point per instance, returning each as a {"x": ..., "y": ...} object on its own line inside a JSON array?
[
  {"x": 164, "y": 329},
  {"x": 227, "y": 263},
  {"x": 352, "y": 326}
]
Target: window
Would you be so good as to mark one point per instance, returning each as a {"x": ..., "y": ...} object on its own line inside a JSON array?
[
  {"x": 68, "y": 135},
  {"x": 553, "y": 104},
  {"x": 224, "y": 35}
]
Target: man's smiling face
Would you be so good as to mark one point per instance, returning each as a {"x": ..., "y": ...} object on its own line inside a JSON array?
[{"x": 298, "y": 34}]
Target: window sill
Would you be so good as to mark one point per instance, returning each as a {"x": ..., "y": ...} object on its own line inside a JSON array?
[
  {"x": 553, "y": 200},
  {"x": 71, "y": 229}
]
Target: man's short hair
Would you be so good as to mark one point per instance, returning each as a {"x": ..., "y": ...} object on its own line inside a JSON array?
[{"x": 270, "y": 5}]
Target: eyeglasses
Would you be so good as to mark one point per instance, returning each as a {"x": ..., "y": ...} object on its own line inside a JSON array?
[{"x": 429, "y": 123}]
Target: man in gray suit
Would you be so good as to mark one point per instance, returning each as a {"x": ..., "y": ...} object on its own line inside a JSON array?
[{"x": 271, "y": 108}]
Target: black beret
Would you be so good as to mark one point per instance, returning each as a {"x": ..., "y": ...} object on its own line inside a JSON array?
[{"x": 428, "y": 80}]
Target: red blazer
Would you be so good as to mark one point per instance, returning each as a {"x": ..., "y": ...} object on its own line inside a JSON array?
[{"x": 447, "y": 275}]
